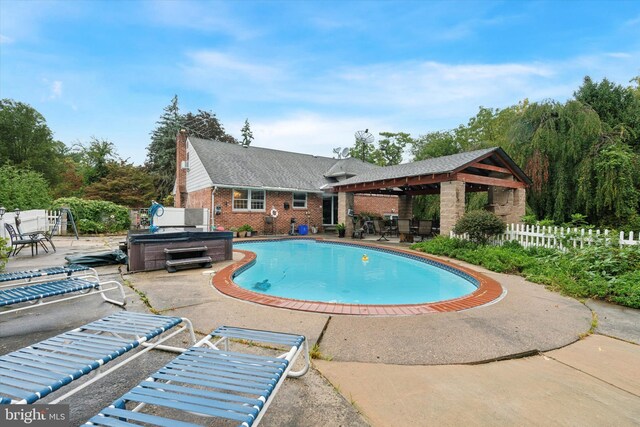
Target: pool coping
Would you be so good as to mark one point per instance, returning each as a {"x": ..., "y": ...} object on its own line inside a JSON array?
[{"x": 488, "y": 291}]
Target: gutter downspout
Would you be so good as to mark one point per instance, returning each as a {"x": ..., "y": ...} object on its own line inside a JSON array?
[{"x": 213, "y": 208}]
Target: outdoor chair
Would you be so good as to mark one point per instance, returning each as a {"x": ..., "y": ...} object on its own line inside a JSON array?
[
  {"x": 424, "y": 229},
  {"x": 404, "y": 230},
  {"x": 382, "y": 229},
  {"x": 70, "y": 288},
  {"x": 17, "y": 242},
  {"x": 208, "y": 381},
  {"x": 31, "y": 373},
  {"x": 38, "y": 236},
  {"x": 44, "y": 273}
]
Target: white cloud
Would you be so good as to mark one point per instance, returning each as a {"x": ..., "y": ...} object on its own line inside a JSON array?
[
  {"x": 55, "y": 89},
  {"x": 293, "y": 110},
  {"x": 201, "y": 16},
  {"x": 5, "y": 40},
  {"x": 310, "y": 133},
  {"x": 209, "y": 64},
  {"x": 622, "y": 55}
]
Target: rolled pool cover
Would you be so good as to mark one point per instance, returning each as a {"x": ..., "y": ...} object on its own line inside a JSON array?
[{"x": 99, "y": 258}]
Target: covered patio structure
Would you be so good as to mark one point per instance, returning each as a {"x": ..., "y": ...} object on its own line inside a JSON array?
[{"x": 490, "y": 170}]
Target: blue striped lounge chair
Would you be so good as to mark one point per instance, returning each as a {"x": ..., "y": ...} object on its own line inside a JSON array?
[
  {"x": 19, "y": 298},
  {"x": 31, "y": 373},
  {"x": 208, "y": 381},
  {"x": 43, "y": 274}
]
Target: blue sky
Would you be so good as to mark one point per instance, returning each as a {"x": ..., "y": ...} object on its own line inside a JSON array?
[{"x": 306, "y": 74}]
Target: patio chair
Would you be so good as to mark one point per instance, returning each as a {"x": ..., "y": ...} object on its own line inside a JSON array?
[
  {"x": 31, "y": 373},
  {"x": 207, "y": 381},
  {"x": 28, "y": 275},
  {"x": 39, "y": 292},
  {"x": 404, "y": 230},
  {"x": 382, "y": 229},
  {"x": 424, "y": 229},
  {"x": 38, "y": 236},
  {"x": 17, "y": 242}
]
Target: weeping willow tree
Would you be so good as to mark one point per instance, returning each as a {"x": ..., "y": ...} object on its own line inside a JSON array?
[
  {"x": 549, "y": 141},
  {"x": 583, "y": 155}
]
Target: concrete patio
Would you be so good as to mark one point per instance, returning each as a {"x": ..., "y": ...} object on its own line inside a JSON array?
[{"x": 387, "y": 371}]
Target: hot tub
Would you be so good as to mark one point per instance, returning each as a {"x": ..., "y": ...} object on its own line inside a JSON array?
[{"x": 146, "y": 250}]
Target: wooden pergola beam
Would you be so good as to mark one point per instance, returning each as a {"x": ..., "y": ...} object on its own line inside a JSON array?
[
  {"x": 486, "y": 180},
  {"x": 490, "y": 168},
  {"x": 395, "y": 182}
]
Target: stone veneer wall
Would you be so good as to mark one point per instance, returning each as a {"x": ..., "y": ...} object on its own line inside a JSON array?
[{"x": 452, "y": 200}]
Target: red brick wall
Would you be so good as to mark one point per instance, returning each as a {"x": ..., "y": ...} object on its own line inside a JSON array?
[
  {"x": 181, "y": 174},
  {"x": 312, "y": 215},
  {"x": 379, "y": 204}
]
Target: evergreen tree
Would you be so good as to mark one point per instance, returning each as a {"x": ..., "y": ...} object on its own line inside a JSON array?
[
  {"x": 247, "y": 135},
  {"x": 161, "y": 152},
  {"x": 206, "y": 125}
]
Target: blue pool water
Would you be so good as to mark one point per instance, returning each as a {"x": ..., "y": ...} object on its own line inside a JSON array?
[{"x": 318, "y": 271}]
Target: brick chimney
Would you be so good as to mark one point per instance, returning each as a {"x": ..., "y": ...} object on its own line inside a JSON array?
[{"x": 180, "y": 200}]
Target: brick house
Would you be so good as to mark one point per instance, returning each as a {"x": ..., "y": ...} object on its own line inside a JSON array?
[{"x": 245, "y": 185}]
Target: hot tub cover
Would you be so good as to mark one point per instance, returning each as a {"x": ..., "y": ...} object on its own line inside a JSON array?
[{"x": 98, "y": 258}]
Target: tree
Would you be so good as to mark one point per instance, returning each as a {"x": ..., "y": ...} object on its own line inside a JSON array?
[
  {"x": 388, "y": 152},
  {"x": 391, "y": 147},
  {"x": 124, "y": 184},
  {"x": 618, "y": 108},
  {"x": 27, "y": 142},
  {"x": 206, "y": 125},
  {"x": 247, "y": 135},
  {"x": 23, "y": 189},
  {"x": 95, "y": 157},
  {"x": 161, "y": 152}
]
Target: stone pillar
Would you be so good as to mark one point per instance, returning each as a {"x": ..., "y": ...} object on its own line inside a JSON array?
[
  {"x": 452, "y": 201},
  {"x": 405, "y": 206},
  {"x": 517, "y": 206},
  {"x": 345, "y": 202}
]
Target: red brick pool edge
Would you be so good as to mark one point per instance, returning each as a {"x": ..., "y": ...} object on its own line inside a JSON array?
[{"x": 489, "y": 290}]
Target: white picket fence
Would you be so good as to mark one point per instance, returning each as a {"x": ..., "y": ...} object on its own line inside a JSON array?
[{"x": 556, "y": 237}]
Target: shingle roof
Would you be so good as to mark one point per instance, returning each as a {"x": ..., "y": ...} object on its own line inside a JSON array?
[
  {"x": 231, "y": 164},
  {"x": 435, "y": 165}
]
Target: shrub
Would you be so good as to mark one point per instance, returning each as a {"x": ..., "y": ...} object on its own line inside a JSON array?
[
  {"x": 597, "y": 271},
  {"x": 23, "y": 189},
  {"x": 99, "y": 216},
  {"x": 86, "y": 226},
  {"x": 480, "y": 225},
  {"x": 3, "y": 253}
]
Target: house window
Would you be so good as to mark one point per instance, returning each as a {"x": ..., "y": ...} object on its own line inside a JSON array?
[
  {"x": 300, "y": 200},
  {"x": 248, "y": 200}
]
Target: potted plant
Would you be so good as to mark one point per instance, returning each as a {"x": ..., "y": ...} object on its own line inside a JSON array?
[
  {"x": 247, "y": 230},
  {"x": 341, "y": 229},
  {"x": 235, "y": 232}
]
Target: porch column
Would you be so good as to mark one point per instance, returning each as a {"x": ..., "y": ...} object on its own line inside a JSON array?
[
  {"x": 405, "y": 206},
  {"x": 518, "y": 205},
  {"x": 345, "y": 202},
  {"x": 452, "y": 201}
]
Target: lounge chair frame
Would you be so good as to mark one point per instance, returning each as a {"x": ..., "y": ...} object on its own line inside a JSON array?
[
  {"x": 29, "y": 374},
  {"x": 44, "y": 274},
  {"x": 37, "y": 293},
  {"x": 237, "y": 380}
]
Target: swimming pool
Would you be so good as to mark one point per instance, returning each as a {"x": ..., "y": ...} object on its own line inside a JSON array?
[
  {"x": 488, "y": 290},
  {"x": 347, "y": 274}
]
